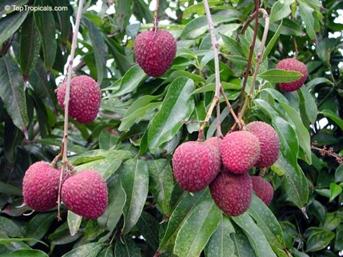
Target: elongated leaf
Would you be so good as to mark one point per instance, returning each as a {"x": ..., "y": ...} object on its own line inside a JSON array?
[
  {"x": 12, "y": 92},
  {"x": 179, "y": 215},
  {"x": 10, "y": 228},
  {"x": 255, "y": 236},
  {"x": 29, "y": 45},
  {"x": 176, "y": 108},
  {"x": 306, "y": 13},
  {"x": 308, "y": 107},
  {"x": 10, "y": 24},
  {"x": 161, "y": 183},
  {"x": 279, "y": 76},
  {"x": 117, "y": 199},
  {"x": 243, "y": 246},
  {"x": 87, "y": 250},
  {"x": 99, "y": 48},
  {"x": 135, "y": 181},
  {"x": 272, "y": 41},
  {"x": 267, "y": 222},
  {"x": 197, "y": 228},
  {"x": 9, "y": 189},
  {"x": 74, "y": 222},
  {"x": 221, "y": 243},
  {"x": 39, "y": 225},
  {"x": 46, "y": 26},
  {"x": 280, "y": 10},
  {"x": 334, "y": 117},
  {"x": 318, "y": 239},
  {"x": 149, "y": 227},
  {"x": 25, "y": 253},
  {"x": 127, "y": 248}
]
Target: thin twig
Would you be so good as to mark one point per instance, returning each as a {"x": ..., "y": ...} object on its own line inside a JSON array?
[
  {"x": 259, "y": 59},
  {"x": 328, "y": 152},
  {"x": 230, "y": 109},
  {"x": 207, "y": 118},
  {"x": 156, "y": 18},
  {"x": 66, "y": 104},
  {"x": 219, "y": 132}
]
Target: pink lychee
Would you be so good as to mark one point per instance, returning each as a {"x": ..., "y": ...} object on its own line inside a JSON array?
[
  {"x": 263, "y": 189},
  {"x": 292, "y": 64}
]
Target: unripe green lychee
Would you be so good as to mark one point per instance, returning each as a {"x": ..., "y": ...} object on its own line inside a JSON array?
[
  {"x": 85, "y": 97},
  {"x": 240, "y": 151},
  {"x": 155, "y": 51},
  {"x": 269, "y": 142},
  {"x": 232, "y": 193},
  {"x": 85, "y": 194},
  {"x": 195, "y": 165},
  {"x": 292, "y": 64},
  {"x": 40, "y": 186},
  {"x": 263, "y": 189}
]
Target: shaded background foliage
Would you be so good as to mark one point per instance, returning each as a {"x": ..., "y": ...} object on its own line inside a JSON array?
[{"x": 143, "y": 119}]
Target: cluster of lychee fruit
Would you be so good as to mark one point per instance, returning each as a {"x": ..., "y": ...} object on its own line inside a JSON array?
[
  {"x": 224, "y": 164},
  {"x": 85, "y": 97},
  {"x": 84, "y": 193}
]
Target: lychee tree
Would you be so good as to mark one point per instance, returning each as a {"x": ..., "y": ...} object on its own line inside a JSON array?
[{"x": 171, "y": 128}]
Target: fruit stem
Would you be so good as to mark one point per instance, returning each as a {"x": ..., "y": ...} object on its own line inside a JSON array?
[
  {"x": 259, "y": 59},
  {"x": 218, "y": 88},
  {"x": 156, "y": 15},
  {"x": 66, "y": 105}
]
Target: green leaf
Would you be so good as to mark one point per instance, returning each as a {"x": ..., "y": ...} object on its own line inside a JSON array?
[
  {"x": 25, "y": 253},
  {"x": 272, "y": 41},
  {"x": 117, "y": 199},
  {"x": 176, "y": 108},
  {"x": 332, "y": 220},
  {"x": 243, "y": 246},
  {"x": 197, "y": 228},
  {"x": 199, "y": 26},
  {"x": 149, "y": 228},
  {"x": 301, "y": 130},
  {"x": 334, "y": 117},
  {"x": 9, "y": 189},
  {"x": 143, "y": 113},
  {"x": 127, "y": 248},
  {"x": 280, "y": 10},
  {"x": 10, "y": 228},
  {"x": 339, "y": 238},
  {"x": 338, "y": 174},
  {"x": 135, "y": 181},
  {"x": 29, "y": 45},
  {"x": 280, "y": 76},
  {"x": 39, "y": 225},
  {"x": 255, "y": 235},
  {"x": 306, "y": 13},
  {"x": 86, "y": 250},
  {"x": 308, "y": 106},
  {"x": 74, "y": 222},
  {"x": 161, "y": 183},
  {"x": 267, "y": 222},
  {"x": 12, "y": 92},
  {"x": 221, "y": 243},
  {"x": 181, "y": 212},
  {"x": 4, "y": 3},
  {"x": 46, "y": 26},
  {"x": 99, "y": 48},
  {"x": 123, "y": 13},
  {"x": 130, "y": 81},
  {"x": 106, "y": 252},
  {"x": 317, "y": 81},
  {"x": 335, "y": 190},
  {"x": 318, "y": 239},
  {"x": 10, "y": 24}
]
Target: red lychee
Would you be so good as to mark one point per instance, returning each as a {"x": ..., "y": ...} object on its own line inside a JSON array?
[
  {"x": 240, "y": 151},
  {"x": 195, "y": 165},
  {"x": 292, "y": 64},
  {"x": 232, "y": 193},
  {"x": 40, "y": 186},
  {"x": 155, "y": 51},
  {"x": 84, "y": 100},
  {"x": 263, "y": 189},
  {"x": 269, "y": 142},
  {"x": 85, "y": 194}
]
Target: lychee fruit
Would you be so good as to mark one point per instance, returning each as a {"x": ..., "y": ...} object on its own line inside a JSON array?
[
  {"x": 292, "y": 64},
  {"x": 40, "y": 186},
  {"x": 232, "y": 193},
  {"x": 240, "y": 151},
  {"x": 155, "y": 51},
  {"x": 195, "y": 165},
  {"x": 84, "y": 100},
  {"x": 263, "y": 189},
  {"x": 269, "y": 142},
  {"x": 85, "y": 194}
]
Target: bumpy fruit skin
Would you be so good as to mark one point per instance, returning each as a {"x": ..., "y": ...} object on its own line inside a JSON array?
[
  {"x": 40, "y": 186},
  {"x": 84, "y": 100},
  {"x": 269, "y": 142},
  {"x": 155, "y": 51},
  {"x": 214, "y": 143},
  {"x": 85, "y": 194},
  {"x": 240, "y": 151},
  {"x": 263, "y": 189},
  {"x": 194, "y": 165},
  {"x": 232, "y": 193},
  {"x": 292, "y": 64}
]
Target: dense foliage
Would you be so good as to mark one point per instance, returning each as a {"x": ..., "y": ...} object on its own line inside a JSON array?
[{"x": 143, "y": 119}]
